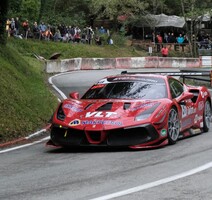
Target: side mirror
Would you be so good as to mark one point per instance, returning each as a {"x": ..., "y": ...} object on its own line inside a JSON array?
[
  {"x": 74, "y": 95},
  {"x": 185, "y": 96}
]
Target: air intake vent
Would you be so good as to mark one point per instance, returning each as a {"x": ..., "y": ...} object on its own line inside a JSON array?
[
  {"x": 106, "y": 106},
  {"x": 126, "y": 106},
  {"x": 88, "y": 106}
]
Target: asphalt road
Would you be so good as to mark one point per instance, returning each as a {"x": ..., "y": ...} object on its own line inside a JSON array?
[{"x": 182, "y": 171}]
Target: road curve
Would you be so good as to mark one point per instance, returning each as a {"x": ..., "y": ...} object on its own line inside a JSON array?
[{"x": 181, "y": 171}]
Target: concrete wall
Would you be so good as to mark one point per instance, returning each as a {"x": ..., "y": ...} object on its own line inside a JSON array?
[{"x": 57, "y": 66}]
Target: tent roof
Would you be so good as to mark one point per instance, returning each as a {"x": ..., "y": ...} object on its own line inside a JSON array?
[{"x": 163, "y": 20}]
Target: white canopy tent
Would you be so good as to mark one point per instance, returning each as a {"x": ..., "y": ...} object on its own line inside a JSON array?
[{"x": 163, "y": 20}]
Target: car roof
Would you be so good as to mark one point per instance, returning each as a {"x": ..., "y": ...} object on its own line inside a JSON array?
[{"x": 135, "y": 75}]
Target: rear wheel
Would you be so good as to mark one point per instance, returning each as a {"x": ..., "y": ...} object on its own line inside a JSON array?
[
  {"x": 207, "y": 116},
  {"x": 173, "y": 126}
]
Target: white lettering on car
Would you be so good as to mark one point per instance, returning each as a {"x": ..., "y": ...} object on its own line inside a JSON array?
[
  {"x": 200, "y": 105},
  {"x": 187, "y": 111},
  {"x": 100, "y": 114}
]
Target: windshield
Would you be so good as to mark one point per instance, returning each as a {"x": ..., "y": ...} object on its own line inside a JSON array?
[{"x": 127, "y": 90}]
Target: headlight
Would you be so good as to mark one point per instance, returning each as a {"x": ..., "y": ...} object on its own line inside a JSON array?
[
  {"x": 60, "y": 113},
  {"x": 146, "y": 113}
]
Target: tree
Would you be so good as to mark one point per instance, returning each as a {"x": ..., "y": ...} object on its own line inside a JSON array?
[
  {"x": 114, "y": 8},
  {"x": 30, "y": 10},
  {"x": 193, "y": 11},
  {"x": 3, "y": 17},
  {"x": 66, "y": 12}
]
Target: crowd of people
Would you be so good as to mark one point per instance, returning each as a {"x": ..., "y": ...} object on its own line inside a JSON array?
[
  {"x": 165, "y": 40},
  {"x": 202, "y": 39},
  {"x": 62, "y": 33},
  {"x": 88, "y": 35}
]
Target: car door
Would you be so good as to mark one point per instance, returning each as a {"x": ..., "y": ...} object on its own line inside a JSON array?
[{"x": 187, "y": 107}]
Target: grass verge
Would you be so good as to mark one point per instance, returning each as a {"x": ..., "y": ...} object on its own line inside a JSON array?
[{"x": 26, "y": 102}]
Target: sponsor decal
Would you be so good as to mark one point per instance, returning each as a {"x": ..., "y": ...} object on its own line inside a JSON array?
[
  {"x": 186, "y": 122},
  {"x": 142, "y": 106},
  {"x": 187, "y": 111},
  {"x": 163, "y": 132},
  {"x": 124, "y": 78},
  {"x": 200, "y": 105},
  {"x": 197, "y": 118},
  {"x": 105, "y": 81},
  {"x": 135, "y": 78},
  {"x": 204, "y": 94},
  {"x": 201, "y": 124},
  {"x": 100, "y": 114},
  {"x": 75, "y": 122},
  {"x": 102, "y": 122},
  {"x": 72, "y": 107},
  {"x": 162, "y": 111}
]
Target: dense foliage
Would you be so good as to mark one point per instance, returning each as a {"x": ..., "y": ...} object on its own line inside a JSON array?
[
  {"x": 3, "y": 18},
  {"x": 75, "y": 12}
]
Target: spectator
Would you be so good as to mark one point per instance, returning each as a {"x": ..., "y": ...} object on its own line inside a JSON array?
[
  {"x": 48, "y": 33},
  {"x": 8, "y": 27},
  {"x": 98, "y": 40},
  {"x": 171, "y": 38},
  {"x": 25, "y": 25},
  {"x": 165, "y": 51},
  {"x": 36, "y": 31},
  {"x": 102, "y": 30},
  {"x": 185, "y": 39},
  {"x": 159, "y": 41},
  {"x": 165, "y": 37},
  {"x": 17, "y": 26},
  {"x": 90, "y": 34},
  {"x": 57, "y": 36},
  {"x": 77, "y": 37},
  {"x": 84, "y": 36},
  {"x": 12, "y": 27},
  {"x": 159, "y": 38},
  {"x": 110, "y": 40},
  {"x": 180, "y": 39},
  {"x": 42, "y": 29}
]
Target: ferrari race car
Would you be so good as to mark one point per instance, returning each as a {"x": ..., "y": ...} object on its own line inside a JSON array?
[{"x": 132, "y": 110}]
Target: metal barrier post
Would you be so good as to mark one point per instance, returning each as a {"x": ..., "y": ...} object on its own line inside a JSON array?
[{"x": 211, "y": 78}]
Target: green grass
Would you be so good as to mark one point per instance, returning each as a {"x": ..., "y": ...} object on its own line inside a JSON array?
[
  {"x": 26, "y": 100},
  {"x": 72, "y": 50}
]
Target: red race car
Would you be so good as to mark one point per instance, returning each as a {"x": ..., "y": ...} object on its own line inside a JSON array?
[{"x": 132, "y": 110}]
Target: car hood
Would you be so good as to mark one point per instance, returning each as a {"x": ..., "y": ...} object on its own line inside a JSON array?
[{"x": 104, "y": 112}]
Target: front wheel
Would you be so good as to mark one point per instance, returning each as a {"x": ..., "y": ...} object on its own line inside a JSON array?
[
  {"x": 206, "y": 116},
  {"x": 173, "y": 126}
]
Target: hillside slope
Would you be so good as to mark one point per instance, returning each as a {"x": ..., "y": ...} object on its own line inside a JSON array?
[{"x": 26, "y": 101}]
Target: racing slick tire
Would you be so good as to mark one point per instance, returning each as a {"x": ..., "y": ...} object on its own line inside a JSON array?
[
  {"x": 173, "y": 126},
  {"x": 207, "y": 116}
]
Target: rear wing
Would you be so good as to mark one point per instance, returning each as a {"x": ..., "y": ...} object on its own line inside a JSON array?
[{"x": 195, "y": 75}]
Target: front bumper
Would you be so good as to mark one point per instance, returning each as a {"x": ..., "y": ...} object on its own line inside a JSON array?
[{"x": 130, "y": 136}]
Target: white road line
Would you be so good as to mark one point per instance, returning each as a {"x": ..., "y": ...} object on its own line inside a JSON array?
[
  {"x": 56, "y": 88},
  {"x": 25, "y": 145},
  {"x": 35, "y": 134},
  {"x": 155, "y": 183}
]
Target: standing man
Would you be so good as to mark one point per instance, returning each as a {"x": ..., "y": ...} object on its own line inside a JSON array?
[{"x": 165, "y": 51}]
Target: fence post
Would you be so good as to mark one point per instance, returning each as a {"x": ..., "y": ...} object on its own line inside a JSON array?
[{"x": 211, "y": 78}]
